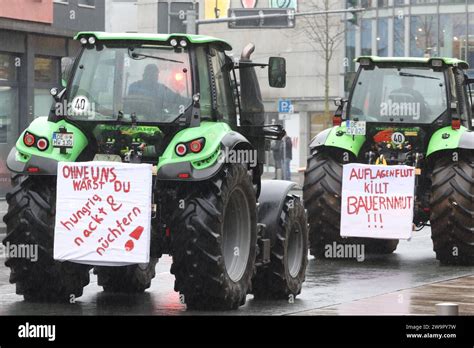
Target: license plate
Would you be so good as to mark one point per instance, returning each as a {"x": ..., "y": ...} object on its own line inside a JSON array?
[
  {"x": 63, "y": 140},
  {"x": 356, "y": 128}
]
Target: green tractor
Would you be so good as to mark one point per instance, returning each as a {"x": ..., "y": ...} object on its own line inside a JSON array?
[
  {"x": 401, "y": 111},
  {"x": 173, "y": 101}
]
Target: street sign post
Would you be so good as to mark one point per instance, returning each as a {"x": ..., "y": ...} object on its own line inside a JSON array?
[
  {"x": 261, "y": 18},
  {"x": 288, "y": 14}
]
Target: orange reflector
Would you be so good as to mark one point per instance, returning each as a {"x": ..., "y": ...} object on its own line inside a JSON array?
[
  {"x": 336, "y": 121},
  {"x": 456, "y": 124}
]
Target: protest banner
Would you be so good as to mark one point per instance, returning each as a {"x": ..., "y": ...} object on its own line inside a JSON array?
[
  {"x": 377, "y": 201},
  {"x": 103, "y": 213}
]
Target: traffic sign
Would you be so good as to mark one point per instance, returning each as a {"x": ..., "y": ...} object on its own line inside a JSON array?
[{"x": 285, "y": 106}]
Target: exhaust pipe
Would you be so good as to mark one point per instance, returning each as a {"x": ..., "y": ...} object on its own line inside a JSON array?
[{"x": 247, "y": 51}]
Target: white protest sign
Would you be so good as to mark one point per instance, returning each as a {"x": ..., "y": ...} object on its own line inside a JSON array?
[
  {"x": 377, "y": 201},
  {"x": 103, "y": 213}
]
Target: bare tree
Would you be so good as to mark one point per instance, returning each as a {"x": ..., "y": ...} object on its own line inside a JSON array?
[
  {"x": 325, "y": 34},
  {"x": 425, "y": 34}
]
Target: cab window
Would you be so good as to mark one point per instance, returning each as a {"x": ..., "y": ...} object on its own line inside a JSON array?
[{"x": 225, "y": 105}]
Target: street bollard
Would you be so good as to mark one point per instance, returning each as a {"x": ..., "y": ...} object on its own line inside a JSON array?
[{"x": 447, "y": 309}]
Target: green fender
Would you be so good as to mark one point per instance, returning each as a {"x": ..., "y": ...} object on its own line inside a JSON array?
[
  {"x": 22, "y": 157},
  {"x": 205, "y": 164},
  {"x": 448, "y": 138},
  {"x": 337, "y": 137}
]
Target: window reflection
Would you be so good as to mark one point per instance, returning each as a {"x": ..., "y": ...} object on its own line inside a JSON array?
[
  {"x": 424, "y": 36},
  {"x": 419, "y": 28}
]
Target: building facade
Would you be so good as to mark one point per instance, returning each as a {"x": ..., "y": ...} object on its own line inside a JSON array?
[
  {"x": 34, "y": 36},
  {"x": 418, "y": 28}
]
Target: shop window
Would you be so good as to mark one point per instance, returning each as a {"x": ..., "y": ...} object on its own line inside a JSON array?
[
  {"x": 45, "y": 70},
  {"x": 9, "y": 65},
  {"x": 8, "y": 71},
  {"x": 46, "y": 77}
]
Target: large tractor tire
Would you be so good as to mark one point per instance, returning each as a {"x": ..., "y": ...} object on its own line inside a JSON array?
[
  {"x": 30, "y": 221},
  {"x": 132, "y": 279},
  {"x": 322, "y": 196},
  {"x": 214, "y": 246},
  {"x": 284, "y": 276},
  {"x": 452, "y": 209}
]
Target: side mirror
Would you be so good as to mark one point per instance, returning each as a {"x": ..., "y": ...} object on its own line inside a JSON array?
[
  {"x": 67, "y": 64},
  {"x": 340, "y": 102},
  {"x": 277, "y": 72},
  {"x": 337, "y": 118}
]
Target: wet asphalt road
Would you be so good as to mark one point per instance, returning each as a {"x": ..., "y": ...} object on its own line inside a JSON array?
[{"x": 327, "y": 283}]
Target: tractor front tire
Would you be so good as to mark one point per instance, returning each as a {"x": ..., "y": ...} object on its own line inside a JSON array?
[
  {"x": 131, "y": 279},
  {"x": 452, "y": 209},
  {"x": 30, "y": 221},
  {"x": 322, "y": 197},
  {"x": 214, "y": 244}
]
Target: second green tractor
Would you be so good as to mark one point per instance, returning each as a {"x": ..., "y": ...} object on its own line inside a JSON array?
[{"x": 409, "y": 111}]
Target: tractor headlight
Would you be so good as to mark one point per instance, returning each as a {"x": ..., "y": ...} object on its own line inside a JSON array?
[
  {"x": 92, "y": 40},
  {"x": 174, "y": 42},
  {"x": 83, "y": 41},
  {"x": 183, "y": 43}
]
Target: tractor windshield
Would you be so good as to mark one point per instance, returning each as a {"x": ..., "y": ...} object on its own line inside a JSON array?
[
  {"x": 410, "y": 95},
  {"x": 146, "y": 84}
]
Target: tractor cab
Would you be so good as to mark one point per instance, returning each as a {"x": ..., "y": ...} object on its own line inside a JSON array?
[
  {"x": 410, "y": 91},
  {"x": 134, "y": 92},
  {"x": 398, "y": 104}
]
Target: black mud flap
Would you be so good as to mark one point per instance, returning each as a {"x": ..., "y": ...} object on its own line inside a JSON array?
[{"x": 272, "y": 197}]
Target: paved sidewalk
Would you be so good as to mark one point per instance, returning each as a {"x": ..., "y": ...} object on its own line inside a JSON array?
[{"x": 420, "y": 300}]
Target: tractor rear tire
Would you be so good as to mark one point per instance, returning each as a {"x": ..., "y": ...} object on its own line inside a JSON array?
[
  {"x": 30, "y": 221},
  {"x": 284, "y": 276},
  {"x": 131, "y": 279},
  {"x": 214, "y": 246},
  {"x": 322, "y": 196},
  {"x": 452, "y": 210}
]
